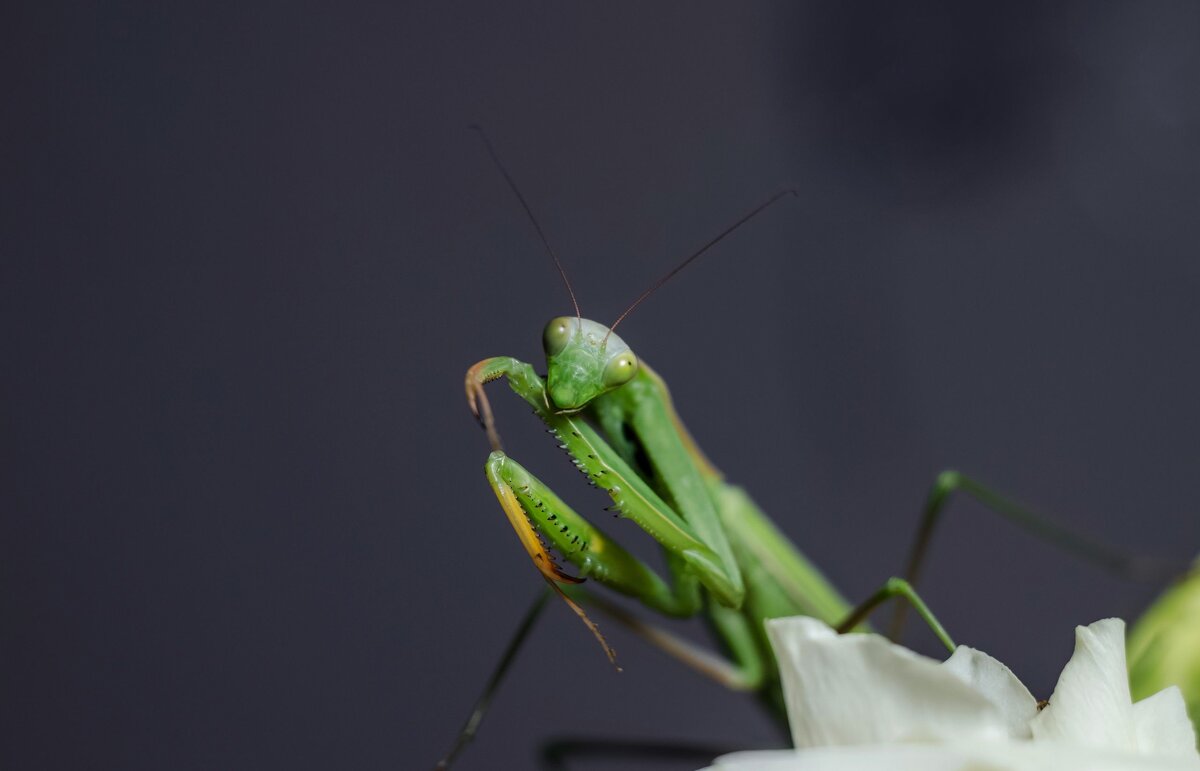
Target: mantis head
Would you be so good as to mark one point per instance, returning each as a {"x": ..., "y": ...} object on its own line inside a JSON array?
[{"x": 584, "y": 359}]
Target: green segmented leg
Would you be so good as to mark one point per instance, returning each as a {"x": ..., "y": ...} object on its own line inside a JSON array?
[
  {"x": 522, "y": 522},
  {"x": 584, "y": 545},
  {"x": 896, "y": 588},
  {"x": 1116, "y": 561},
  {"x": 479, "y": 710},
  {"x": 605, "y": 467}
]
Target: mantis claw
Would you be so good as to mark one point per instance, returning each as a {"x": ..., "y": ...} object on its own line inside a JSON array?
[
  {"x": 481, "y": 408},
  {"x": 591, "y": 625}
]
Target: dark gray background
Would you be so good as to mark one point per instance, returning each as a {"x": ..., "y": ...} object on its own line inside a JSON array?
[{"x": 249, "y": 251}]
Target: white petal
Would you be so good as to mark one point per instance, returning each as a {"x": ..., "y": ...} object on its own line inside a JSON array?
[
  {"x": 998, "y": 685},
  {"x": 1161, "y": 725},
  {"x": 958, "y": 756},
  {"x": 1091, "y": 705},
  {"x": 862, "y": 689}
]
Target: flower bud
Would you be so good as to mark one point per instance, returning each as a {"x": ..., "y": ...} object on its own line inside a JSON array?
[{"x": 1164, "y": 644}]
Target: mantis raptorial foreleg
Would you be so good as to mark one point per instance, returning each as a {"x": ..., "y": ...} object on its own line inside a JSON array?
[
  {"x": 583, "y": 544},
  {"x": 605, "y": 467}
]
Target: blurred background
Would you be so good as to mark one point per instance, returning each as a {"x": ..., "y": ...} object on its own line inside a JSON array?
[{"x": 247, "y": 252}]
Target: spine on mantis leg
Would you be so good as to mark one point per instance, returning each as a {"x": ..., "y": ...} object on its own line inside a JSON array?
[{"x": 583, "y": 544}]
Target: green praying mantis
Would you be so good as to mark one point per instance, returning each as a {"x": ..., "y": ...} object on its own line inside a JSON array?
[{"x": 613, "y": 416}]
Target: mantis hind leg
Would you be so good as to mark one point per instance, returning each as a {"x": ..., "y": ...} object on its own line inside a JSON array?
[
  {"x": 480, "y": 708},
  {"x": 1121, "y": 563}
]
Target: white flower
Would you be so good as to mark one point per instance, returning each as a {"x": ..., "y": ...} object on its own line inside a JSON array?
[{"x": 860, "y": 702}]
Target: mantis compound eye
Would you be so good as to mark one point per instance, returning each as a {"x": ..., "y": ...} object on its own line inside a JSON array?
[
  {"x": 557, "y": 334},
  {"x": 620, "y": 370}
]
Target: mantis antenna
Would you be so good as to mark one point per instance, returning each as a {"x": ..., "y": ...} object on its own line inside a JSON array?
[
  {"x": 699, "y": 252},
  {"x": 487, "y": 143}
]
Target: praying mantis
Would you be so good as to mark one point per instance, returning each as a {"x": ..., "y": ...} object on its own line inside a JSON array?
[{"x": 725, "y": 559}]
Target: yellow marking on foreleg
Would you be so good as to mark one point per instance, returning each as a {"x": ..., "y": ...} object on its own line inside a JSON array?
[{"x": 542, "y": 559}]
